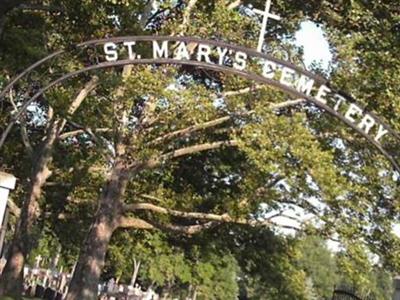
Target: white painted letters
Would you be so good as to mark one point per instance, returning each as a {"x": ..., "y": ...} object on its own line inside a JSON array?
[
  {"x": 182, "y": 52},
  {"x": 322, "y": 93},
  {"x": 110, "y": 49},
  {"x": 131, "y": 53},
  {"x": 269, "y": 69},
  {"x": 221, "y": 55},
  {"x": 381, "y": 132},
  {"x": 277, "y": 72},
  {"x": 160, "y": 52},
  {"x": 240, "y": 60},
  {"x": 339, "y": 100},
  {"x": 367, "y": 123},
  {"x": 287, "y": 76},
  {"x": 305, "y": 85},
  {"x": 353, "y": 111},
  {"x": 203, "y": 51}
]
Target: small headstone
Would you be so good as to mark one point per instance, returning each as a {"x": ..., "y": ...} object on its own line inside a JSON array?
[
  {"x": 111, "y": 286},
  {"x": 39, "y": 291},
  {"x": 59, "y": 296},
  {"x": 30, "y": 291},
  {"x": 49, "y": 294},
  {"x": 62, "y": 282},
  {"x": 45, "y": 279}
]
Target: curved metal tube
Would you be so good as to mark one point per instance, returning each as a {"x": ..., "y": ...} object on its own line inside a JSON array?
[
  {"x": 203, "y": 65},
  {"x": 251, "y": 52}
]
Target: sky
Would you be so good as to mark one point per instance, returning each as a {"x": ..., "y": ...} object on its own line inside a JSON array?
[{"x": 315, "y": 45}]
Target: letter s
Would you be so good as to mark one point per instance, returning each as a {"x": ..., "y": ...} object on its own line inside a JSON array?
[
  {"x": 240, "y": 60},
  {"x": 110, "y": 49}
]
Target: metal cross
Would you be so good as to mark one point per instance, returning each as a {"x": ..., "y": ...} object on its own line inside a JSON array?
[{"x": 266, "y": 14}]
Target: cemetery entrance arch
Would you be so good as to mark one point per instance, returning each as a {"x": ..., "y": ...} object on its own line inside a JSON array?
[{"x": 217, "y": 56}]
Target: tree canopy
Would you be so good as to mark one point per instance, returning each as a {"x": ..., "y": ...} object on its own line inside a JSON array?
[{"x": 186, "y": 170}]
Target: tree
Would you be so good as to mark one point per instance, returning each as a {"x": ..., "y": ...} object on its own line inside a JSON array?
[
  {"x": 352, "y": 268},
  {"x": 41, "y": 155},
  {"x": 176, "y": 161},
  {"x": 319, "y": 264}
]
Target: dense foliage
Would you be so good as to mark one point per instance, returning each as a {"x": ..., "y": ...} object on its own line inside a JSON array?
[{"x": 294, "y": 158}]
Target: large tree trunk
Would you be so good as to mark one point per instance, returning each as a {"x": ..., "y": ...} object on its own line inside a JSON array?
[
  {"x": 83, "y": 285},
  {"x": 11, "y": 280}
]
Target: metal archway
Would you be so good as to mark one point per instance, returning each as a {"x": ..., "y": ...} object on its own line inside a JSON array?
[{"x": 392, "y": 157}]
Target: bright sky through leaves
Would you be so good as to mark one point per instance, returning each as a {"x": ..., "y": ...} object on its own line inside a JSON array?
[{"x": 316, "y": 47}]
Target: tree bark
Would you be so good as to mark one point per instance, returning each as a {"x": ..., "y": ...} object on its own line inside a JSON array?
[
  {"x": 83, "y": 285},
  {"x": 11, "y": 280}
]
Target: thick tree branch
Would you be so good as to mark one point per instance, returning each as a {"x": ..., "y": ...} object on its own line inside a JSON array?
[
  {"x": 198, "y": 148},
  {"x": 72, "y": 133},
  {"x": 14, "y": 209},
  {"x": 186, "y": 15},
  {"x": 234, "y": 4},
  {"x": 150, "y": 197},
  {"x": 287, "y": 103},
  {"x": 242, "y": 91},
  {"x": 25, "y": 137},
  {"x": 84, "y": 129},
  {"x": 24, "y": 133},
  {"x": 194, "y": 128},
  {"x": 92, "y": 133},
  {"x": 83, "y": 93},
  {"x": 136, "y": 223},
  {"x": 89, "y": 87},
  {"x": 156, "y": 161},
  {"x": 46, "y": 8},
  {"x": 50, "y": 117},
  {"x": 176, "y": 213},
  {"x": 188, "y": 230},
  {"x": 213, "y": 218},
  {"x": 190, "y": 129},
  {"x": 126, "y": 222}
]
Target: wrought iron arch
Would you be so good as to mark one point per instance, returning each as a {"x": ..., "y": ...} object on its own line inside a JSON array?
[{"x": 200, "y": 64}]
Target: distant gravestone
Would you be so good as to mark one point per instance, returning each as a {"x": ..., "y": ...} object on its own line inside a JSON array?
[
  {"x": 59, "y": 296},
  {"x": 39, "y": 291},
  {"x": 49, "y": 294},
  {"x": 30, "y": 291}
]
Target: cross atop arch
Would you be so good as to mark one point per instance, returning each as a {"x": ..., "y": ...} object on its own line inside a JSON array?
[{"x": 266, "y": 14}]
